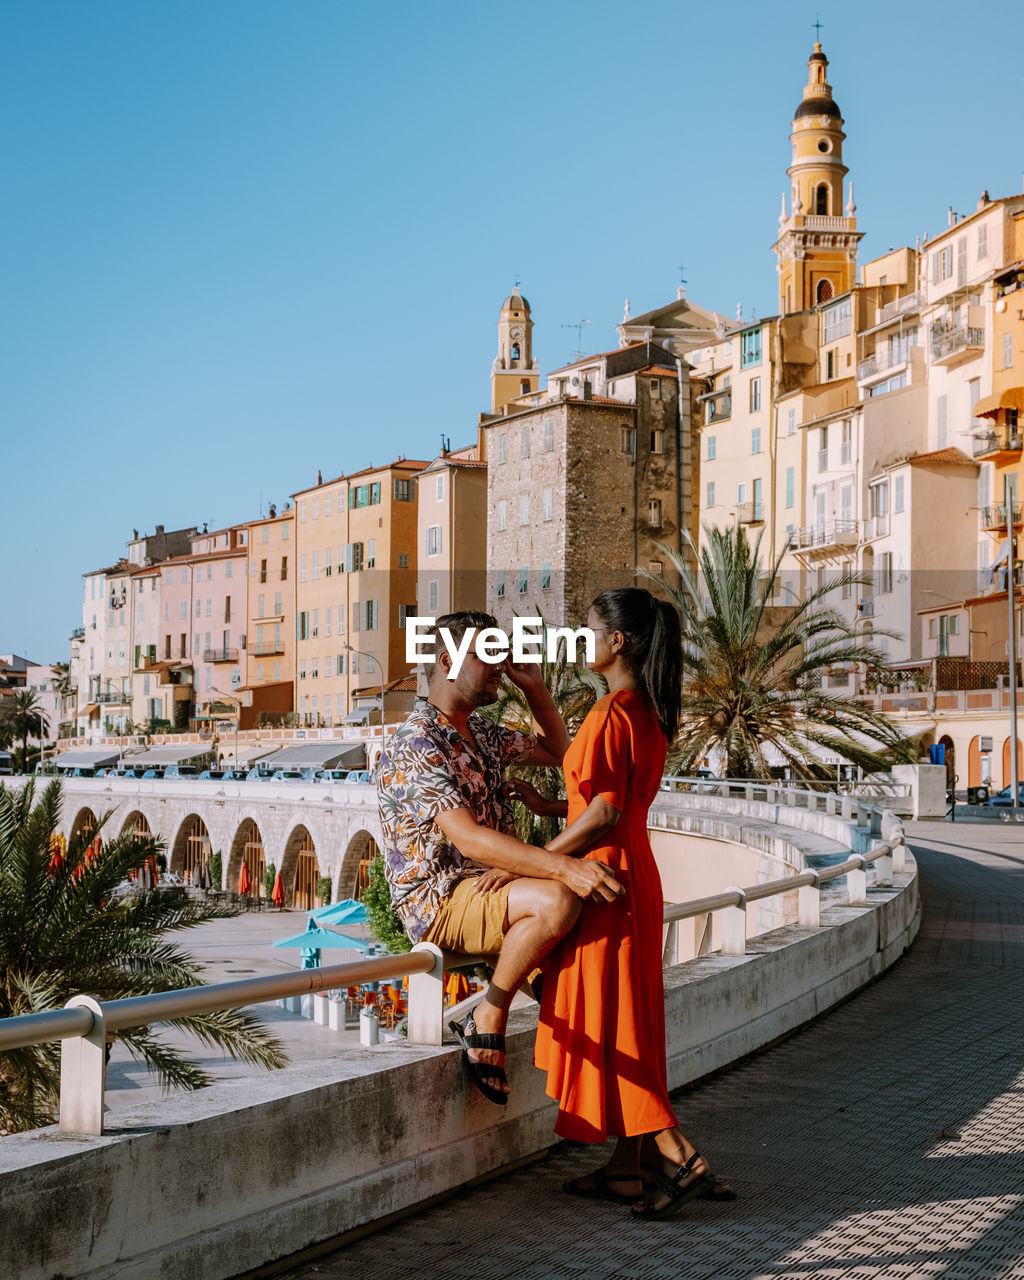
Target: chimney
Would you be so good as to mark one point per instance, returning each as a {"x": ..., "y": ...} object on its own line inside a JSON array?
[{"x": 159, "y": 529}]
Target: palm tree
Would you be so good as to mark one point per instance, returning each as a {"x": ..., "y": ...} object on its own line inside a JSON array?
[
  {"x": 67, "y": 928},
  {"x": 574, "y": 689},
  {"x": 25, "y": 719},
  {"x": 752, "y": 672}
]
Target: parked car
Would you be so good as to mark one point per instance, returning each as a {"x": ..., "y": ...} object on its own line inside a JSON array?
[
  {"x": 1004, "y": 798},
  {"x": 84, "y": 771},
  {"x": 292, "y": 775},
  {"x": 359, "y": 776},
  {"x": 256, "y": 774},
  {"x": 330, "y": 775},
  {"x": 152, "y": 773},
  {"x": 181, "y": 771}
]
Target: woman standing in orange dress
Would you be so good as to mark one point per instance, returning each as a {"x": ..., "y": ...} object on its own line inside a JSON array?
[{"x": 601, "y": 1036}]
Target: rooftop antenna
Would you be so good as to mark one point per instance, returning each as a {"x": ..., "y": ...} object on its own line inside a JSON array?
[{"x": 578, "y": 326}]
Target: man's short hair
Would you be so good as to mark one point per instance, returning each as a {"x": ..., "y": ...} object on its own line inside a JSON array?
[{"x": 457, "y": 624}]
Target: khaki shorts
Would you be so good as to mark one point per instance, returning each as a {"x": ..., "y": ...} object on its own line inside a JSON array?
[{"x": 470, "y": 922}]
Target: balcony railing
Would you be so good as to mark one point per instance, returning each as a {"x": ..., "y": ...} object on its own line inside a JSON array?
[
  {"x": 268, "y": 649},
  {"x": 994, "y": 517},
  {"x": 947, "y": 343},
  {"x": 822, "y": 222},
  {"x": 750, "y": 512},
  {"x": 900, "y": 307},
  {"x": 885, "y": 358},
  {"x": 720, "y": 407},
  {"x": 119, "y": 699},
  {"x": 989, "y": 441},
  {"x": 826, "y": 533},
  {"x": 220, "y": 655}
]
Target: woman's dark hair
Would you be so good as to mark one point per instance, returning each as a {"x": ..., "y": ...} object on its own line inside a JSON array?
[{"x": 654, "y": 646}]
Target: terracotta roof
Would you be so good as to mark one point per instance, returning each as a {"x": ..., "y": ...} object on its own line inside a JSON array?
[
  {"x": 658, "y": 369},
  {"x": 942, "y": 457},
  {"x": 193, "y": 557},
  {"x": 401, "y": 464},
  {"x": 404, "y": 684},
  {"x": 122, "y": 566}
]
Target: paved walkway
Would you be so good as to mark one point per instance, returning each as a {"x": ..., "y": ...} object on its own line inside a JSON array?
[{"x": 886, "y": 1140}]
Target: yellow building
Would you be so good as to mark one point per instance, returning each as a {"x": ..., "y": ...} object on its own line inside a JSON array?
[
  {"x": 514, "y": 371},
  {"x": 818, "y": 236},
  {"x": 452, "y": 536},
  {"x": 356, "y": 541}
]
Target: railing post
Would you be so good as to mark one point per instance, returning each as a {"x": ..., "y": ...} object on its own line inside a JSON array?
[
  {"x": 899, "y": 851},
  {"x": 875, "y": 819},
  {"x": 702, "y": 934},
  {"x": 670, "y": 952},
  {"x": 83, "y": 1074},
  {"x": 857, "y": 882},
  {"x": 734, "y": 925},
  {"x": 426, "y": 999},
  {"x": 809, "y": 903},
  {"x": 883, "y": 869}
]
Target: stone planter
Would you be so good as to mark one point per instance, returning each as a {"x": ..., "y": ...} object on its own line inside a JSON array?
[{"x": 321, "y": 1007}]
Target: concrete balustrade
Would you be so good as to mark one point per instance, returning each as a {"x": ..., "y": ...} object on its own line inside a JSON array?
[{"x": 209, "y": 1184}]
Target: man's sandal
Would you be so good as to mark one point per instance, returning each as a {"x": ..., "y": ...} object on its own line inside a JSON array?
[
  {"x": 480, "y": 1072},
  {"x": 601, "y": 1190},
  {"x": 677, "y": 1195}
]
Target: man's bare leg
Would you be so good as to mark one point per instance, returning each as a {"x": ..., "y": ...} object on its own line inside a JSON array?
[{"x": 540, "y": 913}]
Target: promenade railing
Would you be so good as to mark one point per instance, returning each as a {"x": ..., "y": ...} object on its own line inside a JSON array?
[{"x": 84, "y": 1023}]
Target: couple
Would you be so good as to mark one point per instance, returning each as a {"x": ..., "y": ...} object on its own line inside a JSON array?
[{"x": 587, "y": 908}]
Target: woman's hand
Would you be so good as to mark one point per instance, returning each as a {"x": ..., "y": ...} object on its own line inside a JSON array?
[
  {"x": 493, "y": 879},
  {"x": 526, "y": 793}
]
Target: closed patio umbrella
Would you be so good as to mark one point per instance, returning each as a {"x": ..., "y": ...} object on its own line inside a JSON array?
[
  {"x": 277, "y": 893},
  {"x": 244, "y": 883}
]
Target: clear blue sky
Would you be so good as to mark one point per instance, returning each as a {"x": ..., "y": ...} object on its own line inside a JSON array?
[{"x": 241, "y": 240}]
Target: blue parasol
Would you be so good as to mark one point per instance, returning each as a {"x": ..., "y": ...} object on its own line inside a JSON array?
[{"x": 348, "y": 911}]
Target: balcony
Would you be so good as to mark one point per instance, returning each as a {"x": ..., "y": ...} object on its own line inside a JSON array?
[
  {"x": 876, "y": 527},
  {"x": 993, "y": 441},
  {"x": 271, "y": 648},
  {"x": 994, "y": 517},
  {"x": 826, "y": 536},
  {"x": 900, "y": 307},
  {"x": 220, "y": 655},
  {"x": 950, "y": 346},
  {"x": 822, "y": 222},
  {"x": 719, "y": 404},
  {"x": 750, "y": 512},
  {"x": 115, "y": 699}
]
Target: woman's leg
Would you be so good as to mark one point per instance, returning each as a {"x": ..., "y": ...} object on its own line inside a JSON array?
[{"x": 622, "y": 1171}]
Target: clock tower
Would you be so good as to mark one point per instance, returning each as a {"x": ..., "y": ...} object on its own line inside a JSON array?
[
  {"x": 818, "y": 236},
  {"x": 514, "y": 371}
]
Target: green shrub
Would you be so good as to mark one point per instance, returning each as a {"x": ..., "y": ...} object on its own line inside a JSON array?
[
  {"x": 323, "y": 890},
  {"x": 217, "y": 870}
]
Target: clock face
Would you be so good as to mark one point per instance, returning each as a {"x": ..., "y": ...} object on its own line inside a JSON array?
[{"x": 517, "y": 333}]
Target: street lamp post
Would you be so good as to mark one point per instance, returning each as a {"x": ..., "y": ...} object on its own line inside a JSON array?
[{"x": 364, "y": 654}]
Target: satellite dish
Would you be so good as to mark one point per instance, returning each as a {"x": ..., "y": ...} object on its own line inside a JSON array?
[{"x": 575, "y": 382}]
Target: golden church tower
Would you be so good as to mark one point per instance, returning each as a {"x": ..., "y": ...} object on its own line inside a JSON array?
[
  {"x": 818, "y": 236},
  {"x": 514, "y": 371}
]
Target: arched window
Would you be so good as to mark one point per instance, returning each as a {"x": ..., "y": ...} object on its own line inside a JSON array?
[
  {"x": 821, "y": 199},
  {"x": 824, "y": 291},
  {"x": 515, "y": 350}
]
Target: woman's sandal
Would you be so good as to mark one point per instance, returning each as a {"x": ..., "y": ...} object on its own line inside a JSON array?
[
  {"x": 480, "y": 1072},
  {"x": 601, "y": 1190},
  {"x": 720, "y": 1191},
  {"x": 677, "y": 1195}
]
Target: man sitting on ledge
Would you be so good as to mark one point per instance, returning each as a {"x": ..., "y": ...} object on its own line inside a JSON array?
[{"x": 459, "y": 877}]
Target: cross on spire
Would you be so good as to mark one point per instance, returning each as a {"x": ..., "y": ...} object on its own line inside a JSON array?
[
  {"x": 682, "y": 278},
  {"x": 817, "y": 25}
]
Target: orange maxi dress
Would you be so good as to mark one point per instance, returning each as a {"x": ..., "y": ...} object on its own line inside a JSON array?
[{"x": 601, "y": 1035}]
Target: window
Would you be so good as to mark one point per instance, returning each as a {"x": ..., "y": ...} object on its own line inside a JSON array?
[
  {"x": 545, "y": 576},
  {"x": 758, "y": 501},
  {"x": 327, "y": 504},
  {"x": 627, "y": 440},
  {"x": 314, "y": 628},
  {"x": 709, "y": 494},
  {"x": 549, "y": 434},
  {"x": 285, "y": 535},
  {"x": 524, "y": 442},
  {"x": 303, "y": 567},
  {"x": 502, "y": 447},
  {"x": 341, "y": 619},
  {"x": 302, "y": 668},
  {"x": 879, "y": 499},
  {"x": 755, "y": 394},
  {"x": 846, "y": 443},
  {"x": 655, "y": 566},
  {"x": 846, "y": 568},
  {"x": 712, "y": 448},
  {"x": 1007, "y": 350},
  {"x": 314, "y": 669},
  {"x": 304, "y": 624},
  {"x": 790, "y": 422},
  {"x": 184, "y": 575},
  {"x": 524, "y": 508},
  {"x": 846, "y": 506},
  {"x": 403, "y": 559},
  {"x": 655, "y": 388},
  {"x": 790, "y": 486},
  {"x": 741, "y": 491},
  {"x": 439, "y": 487},
  {"x": 302, "y": 511},
  {"x": 353, "y": 557},
  {"x": 942, "y": 264},
  {"x": 260, "y": 611},
  {"x": 836, "y": 321},
  {"x": 897, "y": 494},
  {"x": 316, "y": 565},
  {"x": 657, "y": 440},
  {"x": 830, "y": 365},
  {"x": 821, "y": 200},
  {"x": 432, "y": 596},
  {"x": 327, "y": 561},
  {"x": 750, "y": 349},
  {"x": 548, "y": 505},
  {"x": 403, "y": 491},
  {"x": 654, "y": 513},
  {"x": 885, "y": 573},
  {"x": 316, "y": 508},
  {"x": 755, "y": 440},
  {"x": 371, "y": 553},
  {"x": 823, "y": 449},
  {"x": 501, "y": 513},
  {"x": 940, "y": 422},
  {"x": 982, "y": 240},
  {"x": 433, "y": 542},
  {"x": 199, "y": 608},
  {"x": 499, "y": 588},
  {"x": 961, "y": 260},
  {"x": 524, "y": 580},
  {"x": 284, "y": 568}
]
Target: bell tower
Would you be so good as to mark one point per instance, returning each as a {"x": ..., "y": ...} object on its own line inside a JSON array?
[
  {"x": 818, "y": 236},
  {"x": 514, "y": 371}
]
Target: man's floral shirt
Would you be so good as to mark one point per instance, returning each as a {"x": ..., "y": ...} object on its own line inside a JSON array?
[{"x": 427, "y": 768}]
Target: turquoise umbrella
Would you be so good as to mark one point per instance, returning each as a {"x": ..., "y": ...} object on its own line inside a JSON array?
[
  {"x": 319, "y": 939},
  {"x": 349, "y": 911}
]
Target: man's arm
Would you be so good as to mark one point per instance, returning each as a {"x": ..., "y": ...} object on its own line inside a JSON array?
[
  {"x": 586, "y": 879},
  {"x": 552, "y": 736}
]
